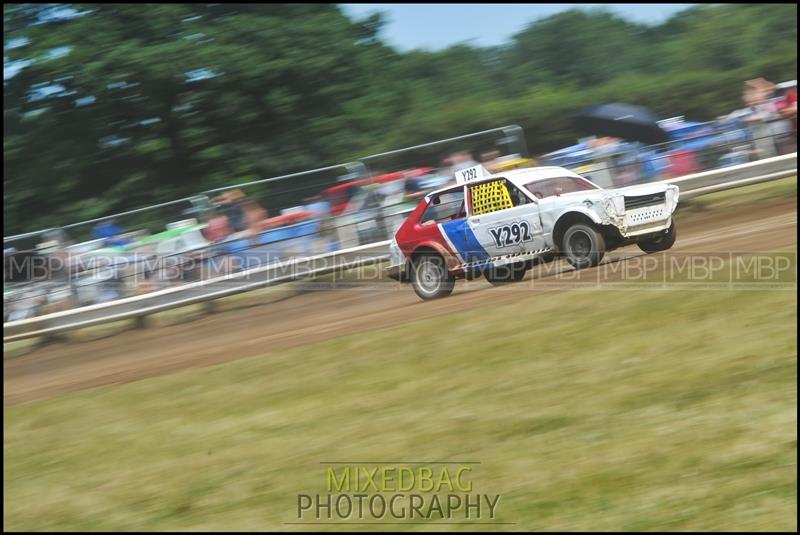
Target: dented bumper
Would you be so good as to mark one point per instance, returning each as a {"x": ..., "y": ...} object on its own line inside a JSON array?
[{"x": 637, "y": 212}]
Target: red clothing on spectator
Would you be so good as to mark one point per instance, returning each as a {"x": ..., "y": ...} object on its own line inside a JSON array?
[
  {"x": 683, "y": 162},
  {"x": 789, "y": 100}
]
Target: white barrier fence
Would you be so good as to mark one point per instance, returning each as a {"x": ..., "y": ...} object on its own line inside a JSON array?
[
  {"x": 736, "y": 176},
  {"x": 188, "y": 294}
]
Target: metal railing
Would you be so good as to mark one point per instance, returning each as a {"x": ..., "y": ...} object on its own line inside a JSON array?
[
  {"x": 627, "y": 163},
  {"x": 192, "y": 293},
  {"x": 316, "y": 265},
  {"x": 121, "y": 275}
]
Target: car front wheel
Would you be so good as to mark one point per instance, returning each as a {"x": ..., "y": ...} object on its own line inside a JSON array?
[
  {"x": 430, "y": 278},
  {"x": 660, "y": 242},
  {"x": 583, "y": 246}
]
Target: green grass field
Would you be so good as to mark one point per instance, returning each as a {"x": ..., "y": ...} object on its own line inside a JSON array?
[
  {"x": 727, "y": 199},
  {"x": 588, "y": 410}
]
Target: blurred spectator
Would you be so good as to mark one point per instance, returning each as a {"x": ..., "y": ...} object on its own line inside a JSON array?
[
  {"x": 217, "y": 228},
  {"x": 232, "y": 204},
  {"x": 604, "y": 168},
  {"x": 786, "y": 106},
  {"x": 654, "y": 164},
  {"x": 683, "y": 162},
  {"x": 318, "y": 205},
  {"x": 111, "y": 233},
  {"x": 736, "y": 155},
  {"x": 626, "y": 171},
  {"x": 762, "y": 113},
  {"x": 255, "y": 217},
  {"x": 327, "y": 228},
  {"x": 489, "y": 158},
  {"x": 459, "y": 161}
]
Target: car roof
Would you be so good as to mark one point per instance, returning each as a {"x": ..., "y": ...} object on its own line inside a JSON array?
[
  {"x": 519, "y": 177},
  {"x": 533, "y": 174}
]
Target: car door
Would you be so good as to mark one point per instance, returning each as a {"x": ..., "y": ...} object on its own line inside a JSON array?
[
  {"x": 503, "y": 218},
  {"x": 455, "y": 228}
]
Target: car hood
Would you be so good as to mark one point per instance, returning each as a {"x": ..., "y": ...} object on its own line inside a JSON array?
[
  {"x": 640, "y": 189},
  {"x": 603, "y": 195}
]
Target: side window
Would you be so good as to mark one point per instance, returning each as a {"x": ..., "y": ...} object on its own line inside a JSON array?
[
  {"x": 517, "y": 197},
  {"x": 446, "y": 206},
  {"x": 501, "y": 194},
  {"x": 557, "y": 186}
]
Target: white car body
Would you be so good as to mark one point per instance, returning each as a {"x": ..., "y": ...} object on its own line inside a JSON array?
[
  {"x": 624, "y": 215},
  {"x": 603, "y": 206}
]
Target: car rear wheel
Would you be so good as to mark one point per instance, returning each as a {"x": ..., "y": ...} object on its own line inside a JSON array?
[
  {"x": 583, "y": 246},
  {"x": 660, "y": 242},
  {"x": 430, "y": 278},
  {"x": 505, "y": 274}
]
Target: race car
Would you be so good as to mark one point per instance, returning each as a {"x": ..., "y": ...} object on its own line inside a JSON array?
[{"x": 498, "y": 225}]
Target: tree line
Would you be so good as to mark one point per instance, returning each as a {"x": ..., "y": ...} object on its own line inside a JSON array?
[{"x": 109, "y": 107}]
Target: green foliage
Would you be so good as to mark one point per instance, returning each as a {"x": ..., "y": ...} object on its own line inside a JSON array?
[{"x": 165, "y": 101}]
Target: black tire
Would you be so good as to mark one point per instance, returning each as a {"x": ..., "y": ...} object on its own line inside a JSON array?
[
  {"x": 505, "y": 274},
  {"x": 660, "y": 242},
  {"x": 430, "y": 278},
  {"x": 583, "y": 246}
]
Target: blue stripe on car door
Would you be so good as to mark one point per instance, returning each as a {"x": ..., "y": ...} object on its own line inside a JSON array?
[{"x": 464, "y": 240}]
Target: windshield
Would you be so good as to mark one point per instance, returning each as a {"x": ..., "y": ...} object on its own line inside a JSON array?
[{"x": 558, "y": 186}]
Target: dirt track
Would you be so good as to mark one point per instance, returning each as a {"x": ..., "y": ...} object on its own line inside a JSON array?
[{"x": 292, "y": 318}]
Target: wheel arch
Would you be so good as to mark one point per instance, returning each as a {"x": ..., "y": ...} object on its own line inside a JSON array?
[
  {"x": 434, "y": 248},
  {"x": 569, "y": 218}
]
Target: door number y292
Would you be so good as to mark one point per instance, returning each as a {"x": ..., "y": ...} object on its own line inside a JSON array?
[{"x": 511, "y": 234}]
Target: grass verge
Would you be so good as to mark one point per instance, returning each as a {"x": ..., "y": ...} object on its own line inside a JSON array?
[
  {"x": 744, "y": 196},
  {"x": 588, "y": 410}
]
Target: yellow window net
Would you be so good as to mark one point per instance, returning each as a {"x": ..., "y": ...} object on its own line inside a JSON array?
[{"x": 490, "y": 197}]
